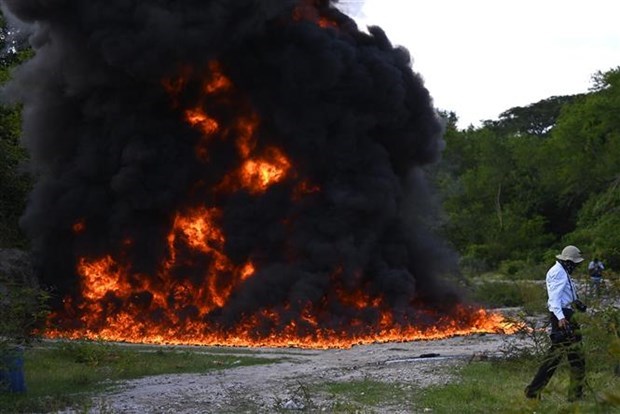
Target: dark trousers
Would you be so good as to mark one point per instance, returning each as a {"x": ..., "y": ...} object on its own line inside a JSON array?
[{"x": 561, "y": 344}]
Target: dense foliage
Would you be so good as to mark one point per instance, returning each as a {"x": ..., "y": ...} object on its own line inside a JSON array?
[
  {"x": 14, "y": 181},
  {"x": 23, "y": 311},
  {"x": 541, "y": 176}
]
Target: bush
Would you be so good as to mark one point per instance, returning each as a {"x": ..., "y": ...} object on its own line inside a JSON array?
[
  {"x": 598, "y": 227},
  {"x": 524, "y": 269},
  {"x": 23, "y": 310},
  {"x": 472, "y": 265},
  {"x": 505, "y": 293}
]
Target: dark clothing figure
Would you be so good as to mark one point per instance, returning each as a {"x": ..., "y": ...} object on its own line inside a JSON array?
[
  {"x": 565, "y": 335},
  {"x": 563, "y": 341},
  {"x": 595, "y": 268}
]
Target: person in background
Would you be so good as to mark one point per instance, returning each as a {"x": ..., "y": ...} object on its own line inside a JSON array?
[
  {"x": 595, "y": 268},
  {"x": 565, "y": 336}
]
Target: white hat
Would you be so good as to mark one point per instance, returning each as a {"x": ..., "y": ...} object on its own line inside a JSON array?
[{"x": 570, "y": 253}]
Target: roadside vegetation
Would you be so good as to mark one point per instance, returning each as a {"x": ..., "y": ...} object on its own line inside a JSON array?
[
  {"x": 67, "y": 374},
  {"x": 497, "y": 387},
  {"x": 497, "y": 384}
]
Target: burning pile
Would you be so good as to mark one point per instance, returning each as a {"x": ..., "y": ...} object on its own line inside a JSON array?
[{"x": 235, "y": 172}]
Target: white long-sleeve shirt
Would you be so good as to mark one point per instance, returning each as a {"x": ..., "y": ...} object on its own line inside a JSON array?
[{"x": 560, "y": 290}]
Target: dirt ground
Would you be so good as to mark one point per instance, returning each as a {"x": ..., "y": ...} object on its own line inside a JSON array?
[{"x": 284, "y": 385}]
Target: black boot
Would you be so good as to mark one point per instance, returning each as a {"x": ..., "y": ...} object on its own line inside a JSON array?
[{"x": 531, "y": 394}]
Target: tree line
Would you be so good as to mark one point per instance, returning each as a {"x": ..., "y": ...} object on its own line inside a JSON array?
[
  {"x": 517, "y": 189},
  {"x": 15, "y": 183}
]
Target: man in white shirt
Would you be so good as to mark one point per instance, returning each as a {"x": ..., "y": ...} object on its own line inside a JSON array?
[{"x": 565, "y": 337}]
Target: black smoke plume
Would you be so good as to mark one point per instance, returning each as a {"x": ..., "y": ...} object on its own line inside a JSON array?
[{"x": 111, "y": 150}]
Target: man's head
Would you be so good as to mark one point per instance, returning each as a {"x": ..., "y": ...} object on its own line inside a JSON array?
[{"x": 570, "y": 254}]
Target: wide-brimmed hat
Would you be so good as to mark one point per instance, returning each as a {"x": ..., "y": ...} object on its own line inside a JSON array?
[{"x": 570, "y": 253}]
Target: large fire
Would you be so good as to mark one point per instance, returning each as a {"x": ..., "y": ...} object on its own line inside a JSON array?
[
  {"x": 119, "y": 304},
  {"x": 119, "y": 309},
  {"x": 233, "y": 172}
]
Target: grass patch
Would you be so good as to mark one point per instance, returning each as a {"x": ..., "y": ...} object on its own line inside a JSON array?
[
  {"x": 497, "y": 386},
  {"x": 364, "y": 396},
  {"x": 65, "y": 374}
]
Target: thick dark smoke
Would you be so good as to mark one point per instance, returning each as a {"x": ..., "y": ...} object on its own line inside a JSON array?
[{"x": 109, "y": 149}]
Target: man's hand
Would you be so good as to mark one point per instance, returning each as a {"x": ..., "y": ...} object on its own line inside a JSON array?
[{"x": 563, "y": 323}]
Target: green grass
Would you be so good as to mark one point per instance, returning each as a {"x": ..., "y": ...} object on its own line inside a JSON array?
[
  {"x": 497, "y": 387},
  {"x": 364, "y": 396},
  {"x": 500, "y": 293},
  {"x": 67, "y": 373}
]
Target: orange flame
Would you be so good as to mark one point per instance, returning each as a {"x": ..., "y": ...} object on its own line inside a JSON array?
[
  {"x": 218, "y": 82},
  {"x": 199, "y": 230},
  {"x": 100, "y": 277},
  {"x": 258, "y": 174},
  {"x": 176, "y": 312},
  {"x": 196, "y": 117},
  {"x": 305, "y": 332},
  {"x": 182, "y": 310}
]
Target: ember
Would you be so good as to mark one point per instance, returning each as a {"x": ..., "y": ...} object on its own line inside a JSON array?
[{"x": 237, "y": 173}]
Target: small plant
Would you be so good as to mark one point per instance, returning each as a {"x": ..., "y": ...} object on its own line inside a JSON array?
[
  {"x": 23, "y": 309},
  {"x": 531, "y": 340},
  {"x": 299, "y": 399},
  {"x": 91, "y": 353}
]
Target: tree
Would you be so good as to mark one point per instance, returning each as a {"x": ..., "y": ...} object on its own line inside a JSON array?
[
  {"x": 536, "y": 119},
  {"x": 583, "y": 152},
  {"x": 587, "y": 145},
  {"x": 489, "y": 184},
  {"x": 598, "y": 226},
  {"x": 14, "y": 182},
  {"x": 542, "y": 174}
]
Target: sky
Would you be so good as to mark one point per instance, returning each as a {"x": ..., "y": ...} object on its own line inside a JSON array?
[{"x": 479, "y": 58}]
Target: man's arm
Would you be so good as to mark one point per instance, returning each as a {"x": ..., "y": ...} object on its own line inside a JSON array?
[{"x": 556, "y": 283}]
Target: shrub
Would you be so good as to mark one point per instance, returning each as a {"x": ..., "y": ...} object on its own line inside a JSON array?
[
  {"x": 23, "y": 310},
  {"x": 509, "y": 293}
]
